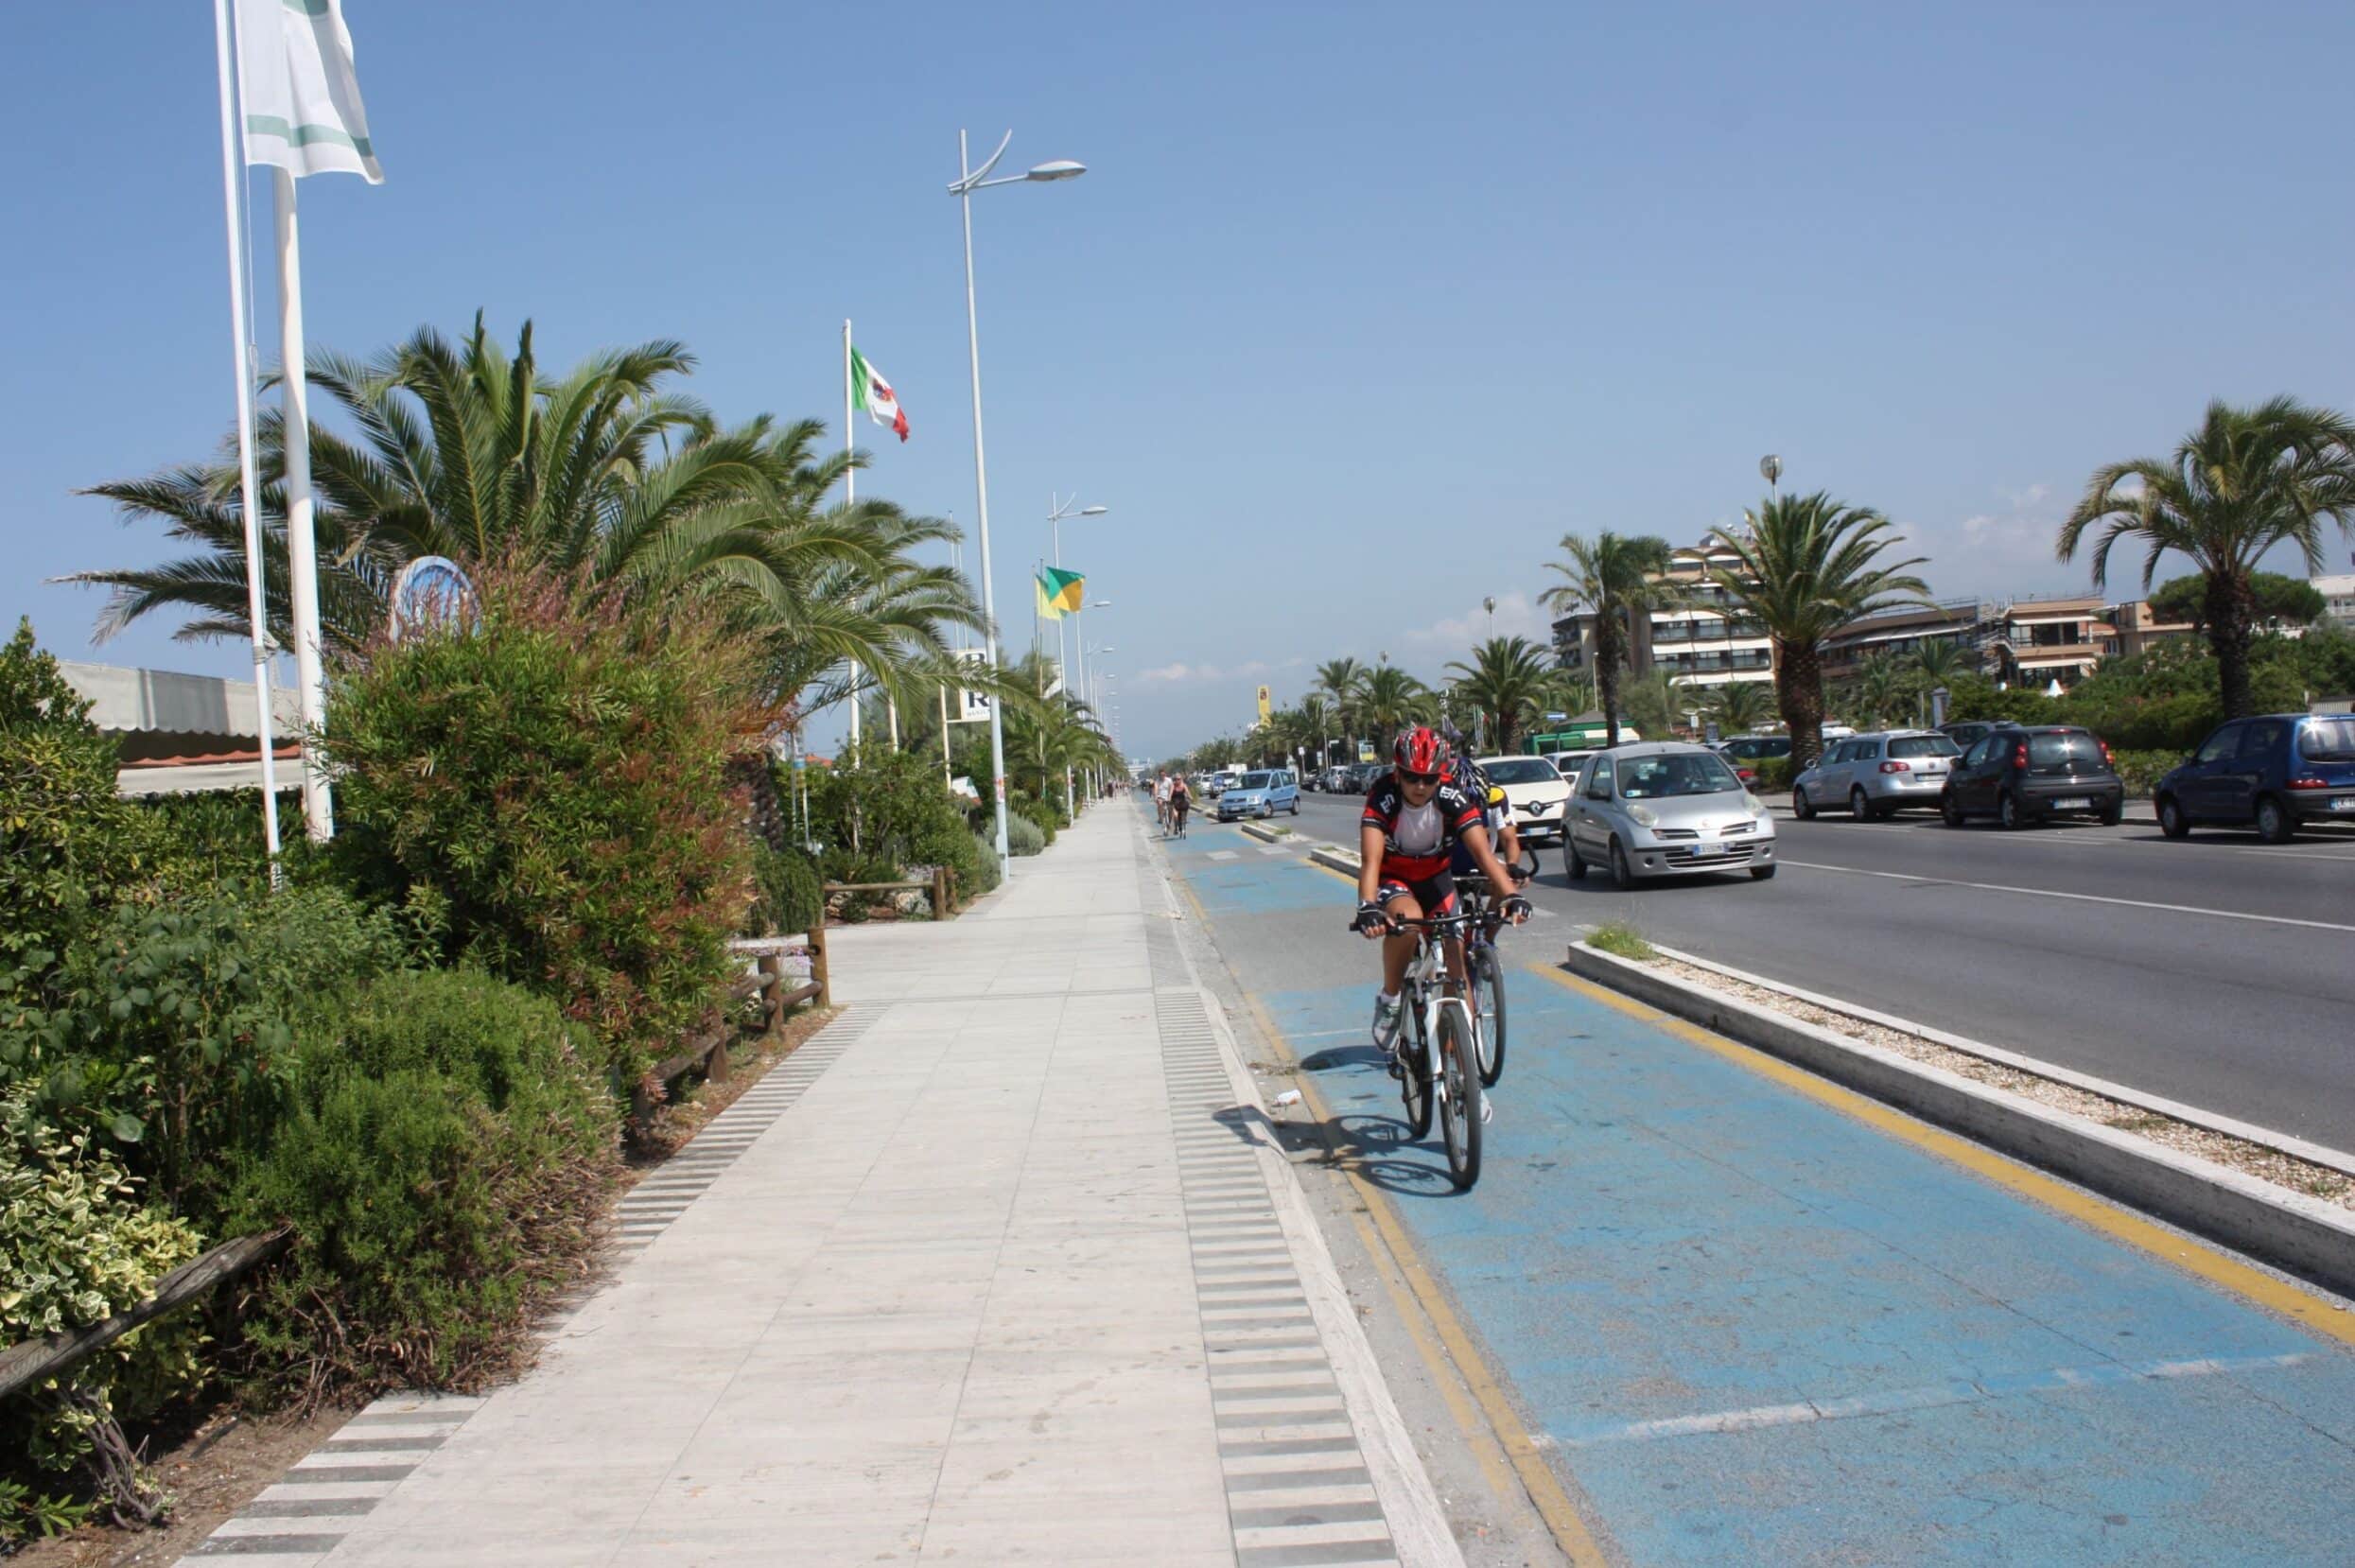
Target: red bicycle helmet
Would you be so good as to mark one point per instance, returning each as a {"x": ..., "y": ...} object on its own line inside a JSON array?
[{"x": 1418, "y": 750}]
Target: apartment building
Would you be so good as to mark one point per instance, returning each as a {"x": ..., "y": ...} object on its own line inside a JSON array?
[
  {"x": 1904, "y": 631},
  {"x": 2036, "y": 641},
  {"x": 1704, "y": 641},
  {"x": 2139, "y": 628},
  {"x": 2338, "y": 599}
]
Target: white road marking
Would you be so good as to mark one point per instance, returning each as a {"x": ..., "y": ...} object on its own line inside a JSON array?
[
  {"x": 1224, "y": 855},
  {"x": 1804, "y": 1411},
  {"x": 2076, "y": 897}
]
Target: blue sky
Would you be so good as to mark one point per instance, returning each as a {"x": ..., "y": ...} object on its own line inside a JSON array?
[{"x": 1358, "y": 310}]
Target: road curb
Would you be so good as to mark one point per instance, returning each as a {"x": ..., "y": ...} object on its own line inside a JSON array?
[{"x": 2302, "y": 1235}]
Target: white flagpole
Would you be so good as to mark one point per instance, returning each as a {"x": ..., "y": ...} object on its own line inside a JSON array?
[
  {"x": 302, "y": 552},
  {"x": 850, "y": 494},
  {"x": 232, "y": 171}
]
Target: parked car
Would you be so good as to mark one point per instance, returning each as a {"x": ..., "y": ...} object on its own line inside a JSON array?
[
  {"x": 1876, "y": 775},
  {"x": 1967, "y": 733},
  {"x": 1534, "y": 795},
  {"x": 1261, "y": 793},
  {"x": 2021, "y": 774},
  {"x": 1361, "y": 777},
  {"x": 2275, "y": 771},
  {"x": 1665, "y": 809},
  {"x": 1568, "y": 763},
  {"x": 1745, "y": 752}
]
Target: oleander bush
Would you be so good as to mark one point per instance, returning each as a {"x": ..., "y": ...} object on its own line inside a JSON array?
[
  {"x": 441, "y": 1163},
  {"x": 1024, "y": 836},
  {"x": 544, "y": 788}
]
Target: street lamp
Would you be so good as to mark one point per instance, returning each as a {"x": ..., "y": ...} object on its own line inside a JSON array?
[
  {"x": 1771, "y": 466},
  {"x": 969, "y": 179}
]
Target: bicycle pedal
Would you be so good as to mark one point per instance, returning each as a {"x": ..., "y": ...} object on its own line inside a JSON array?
[{"x": 1488, "y": 1110}]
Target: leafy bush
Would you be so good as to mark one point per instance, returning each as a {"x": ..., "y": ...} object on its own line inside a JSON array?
[
  {"x": 883, "y": 808},
  {"x": 77, "y": 1246},
  {"x": 1024, "y": 836},
  {"x": 546, "y": 789},
  {"x": 168, "y": 1025},
  {"x": 1775, "y": 774},
  {"x": 442, "y": 1166},
  {"x": 2140, "y": 771},
  {"x": 789, "y": 898},
  {"x": 986, "y": 865},
  {"x": 202, "y": 840}
]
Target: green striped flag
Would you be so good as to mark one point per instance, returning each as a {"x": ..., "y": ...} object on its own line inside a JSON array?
[{"x": 299, "y": 92}]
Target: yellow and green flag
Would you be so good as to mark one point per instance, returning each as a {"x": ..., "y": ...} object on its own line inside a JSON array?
[{"x": 1061, "y": 592}]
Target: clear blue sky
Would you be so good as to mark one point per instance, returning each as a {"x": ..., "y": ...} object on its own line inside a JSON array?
[{"x": 1358, "y": 310}]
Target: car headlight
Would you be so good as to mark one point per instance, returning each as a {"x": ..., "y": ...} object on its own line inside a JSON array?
[
  {"x": 1644, "y": 815},
  {"x": 1758, "y": 810}
]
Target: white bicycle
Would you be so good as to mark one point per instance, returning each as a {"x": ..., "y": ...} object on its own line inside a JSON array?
[{"x": 1444, "y": 1063}]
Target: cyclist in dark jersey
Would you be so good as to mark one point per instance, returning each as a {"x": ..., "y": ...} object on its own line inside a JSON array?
[{"x": 1414, "y": 819}]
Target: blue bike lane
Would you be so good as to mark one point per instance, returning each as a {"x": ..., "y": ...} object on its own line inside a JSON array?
[{"x": 1751, "y": 1321}]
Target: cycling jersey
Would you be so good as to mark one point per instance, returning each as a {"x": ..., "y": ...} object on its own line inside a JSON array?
[{"x": 1415, "y": 840}]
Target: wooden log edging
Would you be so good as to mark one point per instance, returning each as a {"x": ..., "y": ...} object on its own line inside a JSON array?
[{"x": 35, "y": 1360}]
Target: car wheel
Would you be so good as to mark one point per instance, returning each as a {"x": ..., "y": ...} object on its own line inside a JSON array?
[
  {"x": 2008, "y": 810},
  {"x": 2274, "y": 823},
  {"x": 1799, "y": 807},
  {"x": 1950, "y": 810},
  {"x": 2114, "y": 814},
  {"x": 1761, "y": 873},
  {"x": 2172, "y": 821},
  {"x": 1295, "y": 804},
  {"x": 1859, "y": 809},
  {"x": 1622, "y": 874},
  {"x": 1572, "y": 861}
]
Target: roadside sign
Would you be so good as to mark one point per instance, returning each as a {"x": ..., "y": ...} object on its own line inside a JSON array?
[
  {"x": 1709, "y": 733},
  {"x": 973, "y": 707},
  {"x": 1364, "y": 751},
  {"x": 1266, "y": 707}
]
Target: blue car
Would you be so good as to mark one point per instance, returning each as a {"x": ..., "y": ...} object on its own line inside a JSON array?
[
  {"x": 2274, "y": 772},
  {"x": 1262, "y": 793}
]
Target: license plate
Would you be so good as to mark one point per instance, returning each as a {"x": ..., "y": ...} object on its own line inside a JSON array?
[
  {"x": 1707, "y": 851},
  {"x": 2073, "y": 803},
  {"x": 2343, "y": 803}
]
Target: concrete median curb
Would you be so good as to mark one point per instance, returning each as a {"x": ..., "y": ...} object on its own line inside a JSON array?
[{"x": 2303, "y": 1235}]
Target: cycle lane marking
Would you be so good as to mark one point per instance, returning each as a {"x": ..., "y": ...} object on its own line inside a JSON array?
[{"x": 2210, "y": 1263}]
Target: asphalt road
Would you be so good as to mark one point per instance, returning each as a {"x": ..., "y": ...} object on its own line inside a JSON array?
[{"x": 2217, "y": 971}]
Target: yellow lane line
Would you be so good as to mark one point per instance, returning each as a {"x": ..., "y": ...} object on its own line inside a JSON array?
[
  {"x": 2198, "y": 1258},
  {"x": 1456, "y": 1363}
]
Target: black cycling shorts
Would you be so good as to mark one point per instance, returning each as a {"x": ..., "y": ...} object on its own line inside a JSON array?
[{"x": 1437, "y": 893}]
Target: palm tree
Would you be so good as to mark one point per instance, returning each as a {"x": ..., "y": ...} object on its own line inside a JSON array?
[
  {"x": 2246, "y": 481},
  {"x": 1657, "y": 702},
  {"x": 1618, "y": 578},
  {"x": 1739, "y": 707},
  {"x": 1570, "y": 692},
  {"x": 1882, "y": 686},
  {"x": 1343, "y": 680},
  {"x": 1391, "y": 699},
  {"x": 1506, "y": 681},
  {"x": 1805, "y": 565}
]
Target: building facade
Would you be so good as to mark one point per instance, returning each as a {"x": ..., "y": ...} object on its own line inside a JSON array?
[
  {"x": 1959, "y": 623},
  {"x": 2338, "y": 599},
  {"x": 2038, "y": 641},
  {"x": 1704, "y": 641}
]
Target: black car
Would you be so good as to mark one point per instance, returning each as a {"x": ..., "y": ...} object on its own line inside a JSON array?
[
  {"x": 2020, "y": 774},
  {"x": 2272, "y": 772},
  {"x": 1967, "y": 733}
]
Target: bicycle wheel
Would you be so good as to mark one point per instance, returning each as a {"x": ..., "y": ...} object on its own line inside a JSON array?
[
  {"x": 1487, "y": 997},
  {"x": 1414, "y": 1085},
  {"x": 1458, "y": 1095}
]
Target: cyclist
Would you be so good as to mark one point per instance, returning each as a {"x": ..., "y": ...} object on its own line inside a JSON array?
[
  {"x": 1180, "y": 802},
  {"x": 1161, "y": 801},
  {"x": 1497, "y": 811},
  {"x": 1414, "y": 818}
]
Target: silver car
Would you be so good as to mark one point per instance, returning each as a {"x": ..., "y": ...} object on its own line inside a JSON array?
[
  {"x": 1877, "y": 775},
  {"x": 1666, "y": 809}
]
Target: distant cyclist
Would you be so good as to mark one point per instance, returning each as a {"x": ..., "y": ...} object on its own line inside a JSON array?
[
  {"x": 1180, "y": 802},
  {"x": 1414, "y": 819},
  {"x": 1161, "y": 800},
  {"x": 1495, "y": 810}
]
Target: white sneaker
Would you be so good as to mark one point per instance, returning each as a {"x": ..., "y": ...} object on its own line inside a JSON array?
[{"x": 1388, "y": 1012}]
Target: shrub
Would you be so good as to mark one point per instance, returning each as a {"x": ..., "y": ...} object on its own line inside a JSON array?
[
  {"x": 77, "y": 1246},
  {"x": 201, "y": 841},
  {"x": 986, "y": 866},
  {"x": 1775, "y": 774},
  {"x": 2140, "y": 771},
  {"x": 546, "y": 787},
  {"x": 789, "y": 898},
  {"x": 883, "y": 808},
  {"x": 441, "y": 1167},
  {"x": 1022, "y": 836}
]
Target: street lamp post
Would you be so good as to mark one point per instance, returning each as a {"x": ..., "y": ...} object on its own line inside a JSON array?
[{"x": 969, "y": 181}]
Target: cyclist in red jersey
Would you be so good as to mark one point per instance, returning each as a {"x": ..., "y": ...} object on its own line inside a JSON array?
[{"x": 1414, "y": 818}]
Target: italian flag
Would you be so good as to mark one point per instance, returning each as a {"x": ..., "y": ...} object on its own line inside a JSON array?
[{"x": 869, "y": 390}]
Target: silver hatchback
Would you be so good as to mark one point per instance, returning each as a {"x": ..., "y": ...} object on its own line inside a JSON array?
[
  {"x": 1877, "y": 775},
  {"x": 1665, "y": 809}
]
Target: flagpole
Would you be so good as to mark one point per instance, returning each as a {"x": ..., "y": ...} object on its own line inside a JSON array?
[
  {"x": 850, "y": 494},
  {"x": 301, "y": 549},
  {"x": 256, "y": 605}
]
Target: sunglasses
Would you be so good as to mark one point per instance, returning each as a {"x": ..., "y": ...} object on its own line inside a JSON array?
[{"x": 1425, "y": 778}]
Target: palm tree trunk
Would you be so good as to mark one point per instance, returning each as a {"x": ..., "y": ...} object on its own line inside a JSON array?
[
  {"x": 1799, "y": 693},
  {"x": 1607, "y": 675},
  {"x": 2230, "y": 608}
]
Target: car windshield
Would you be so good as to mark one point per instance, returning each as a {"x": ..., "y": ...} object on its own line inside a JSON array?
[
  {"x": 1924, "y": 745},
  {"x": 2329, "y": 739},
  {"x": 1521, "y": 770},
  {"x": 1254, "y": 781},
  {"x": 2063, "y": 748},
  {"x": 1676, "y": 774}
]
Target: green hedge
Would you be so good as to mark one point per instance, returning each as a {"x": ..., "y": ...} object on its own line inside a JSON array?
[
  {"x": 442, "y": 1166},
  {"x": 789, "y": 898},
  {"x": 1024, "y": 836}
]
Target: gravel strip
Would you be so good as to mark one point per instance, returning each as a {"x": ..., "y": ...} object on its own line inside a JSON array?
[{"x": 2253, "y": 1160}]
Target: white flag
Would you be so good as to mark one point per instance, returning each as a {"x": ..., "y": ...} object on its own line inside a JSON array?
[{"x": 300, "y": 96}]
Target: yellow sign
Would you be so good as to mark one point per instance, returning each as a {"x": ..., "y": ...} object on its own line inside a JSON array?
[
  {"x": 1265, "y": 707},
  {"x": 1364, "y": 751}
]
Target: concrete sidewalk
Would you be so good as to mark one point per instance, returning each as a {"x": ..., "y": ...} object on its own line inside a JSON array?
[{"x": 1001, "y": 1267}]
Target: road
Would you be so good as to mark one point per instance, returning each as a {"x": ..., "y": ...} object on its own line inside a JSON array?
[
  {"x": 1732, "y": 1317},
  {"x": 2217, "y": 971}
]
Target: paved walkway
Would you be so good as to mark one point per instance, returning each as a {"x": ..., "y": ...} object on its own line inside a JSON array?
[{"x": 1000, "y": 1268}]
